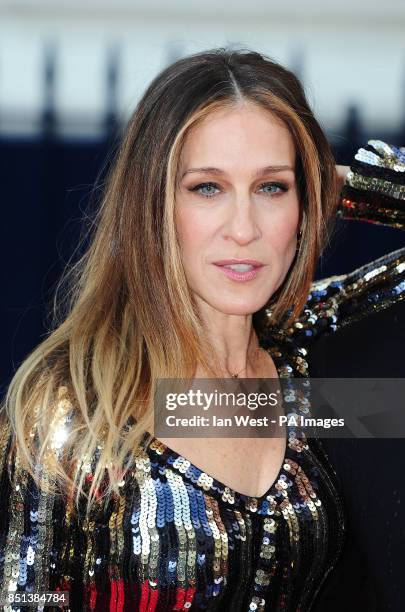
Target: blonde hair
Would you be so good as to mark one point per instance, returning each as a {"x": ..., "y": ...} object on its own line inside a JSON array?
[{"x": 129, "y": 316}]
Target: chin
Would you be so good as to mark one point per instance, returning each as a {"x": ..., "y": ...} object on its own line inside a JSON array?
[{"x": 247, "y": 308}]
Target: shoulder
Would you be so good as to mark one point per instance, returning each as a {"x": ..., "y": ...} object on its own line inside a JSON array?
[{"x": 13, "y": 453}]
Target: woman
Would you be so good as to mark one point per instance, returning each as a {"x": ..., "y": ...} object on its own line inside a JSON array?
[{"x": 222, "y": 161}]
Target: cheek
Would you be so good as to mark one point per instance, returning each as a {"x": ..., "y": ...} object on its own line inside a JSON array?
[
  {"x": 281, "y": 234},
  {"x": 193, "y": 229}
]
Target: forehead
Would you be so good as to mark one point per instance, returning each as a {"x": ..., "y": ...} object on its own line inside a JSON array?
[{"x": 245, "y": 131}]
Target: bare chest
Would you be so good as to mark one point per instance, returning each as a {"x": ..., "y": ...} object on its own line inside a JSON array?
[{"x": 247, "y": 465}]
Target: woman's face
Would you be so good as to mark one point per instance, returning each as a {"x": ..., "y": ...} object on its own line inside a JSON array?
[{"x": 237, "y": 200}]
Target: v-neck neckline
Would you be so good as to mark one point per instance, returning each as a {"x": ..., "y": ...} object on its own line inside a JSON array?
[{"x": 189, "y": 471}]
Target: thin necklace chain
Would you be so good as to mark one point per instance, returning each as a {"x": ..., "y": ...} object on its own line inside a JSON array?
[{"x": 236, "y": 375}]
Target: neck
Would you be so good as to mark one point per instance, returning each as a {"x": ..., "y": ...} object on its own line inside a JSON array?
[{"x": 235, "y": 346}]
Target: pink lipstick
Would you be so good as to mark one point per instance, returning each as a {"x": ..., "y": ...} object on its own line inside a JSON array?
[{"x": 240, "y": 270}]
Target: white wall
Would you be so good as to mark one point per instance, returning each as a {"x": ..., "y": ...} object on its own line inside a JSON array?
[{"x": 350, "y": 52}]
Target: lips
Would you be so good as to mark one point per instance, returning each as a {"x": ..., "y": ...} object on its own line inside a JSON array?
[
  {"x": 240, "y": 270},
  {"x": 234, "y": 262}
]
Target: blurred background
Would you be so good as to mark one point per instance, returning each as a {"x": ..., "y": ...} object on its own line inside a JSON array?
[{"x": 72, "y": 71}]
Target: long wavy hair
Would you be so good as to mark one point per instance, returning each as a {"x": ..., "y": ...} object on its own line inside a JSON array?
[{"x": 129, "y": 316}]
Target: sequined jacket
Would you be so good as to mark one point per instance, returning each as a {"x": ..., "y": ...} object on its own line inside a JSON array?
[{"x": 176, "y": 538}]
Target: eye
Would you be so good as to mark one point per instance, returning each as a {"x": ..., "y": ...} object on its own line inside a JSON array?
[
  {"x": 208, "y": 187},
  {"x": 208, "y": 190},
  {"x": 275, "y": 188}
]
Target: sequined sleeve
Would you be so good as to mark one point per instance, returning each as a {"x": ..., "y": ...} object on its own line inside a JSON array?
[
  {"x": 37, "y": 527},
  {"x": 375, "y": 186},
  {"x": 9, "y": 553},
  {"x": 26, "y": 527},
  {"x": 374, "y": 192},
  {"x": 339, "y": 300}
]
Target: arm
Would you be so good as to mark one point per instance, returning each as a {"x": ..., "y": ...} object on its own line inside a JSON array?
[
  {"x": 374, "y": 187},
  {"x": 46, "y": 541},
  {"x": 340, "y": 300},
  {"x": 373, "y": 191},
  {"x": 36, "y": 527}
]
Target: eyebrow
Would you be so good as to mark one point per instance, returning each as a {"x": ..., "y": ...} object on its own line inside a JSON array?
[{"x": 260, "y": 172}]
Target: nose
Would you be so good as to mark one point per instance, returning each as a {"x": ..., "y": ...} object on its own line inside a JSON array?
[{"x": 241, "y": 224}]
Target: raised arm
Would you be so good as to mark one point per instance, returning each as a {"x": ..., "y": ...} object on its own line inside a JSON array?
[
  {"x": 374, "y": 186},
  {"x": 374, "y": 191}
]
